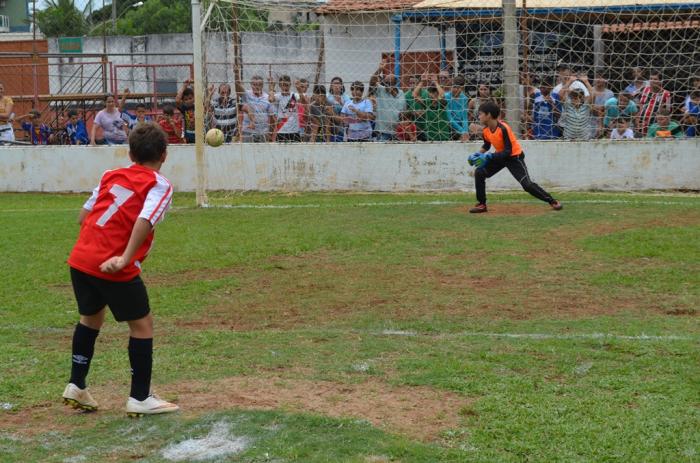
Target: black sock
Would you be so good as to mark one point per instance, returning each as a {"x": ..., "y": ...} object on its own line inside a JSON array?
[
  {"x": 83, "y": 350},
  {"x": 141, "y": 359}
]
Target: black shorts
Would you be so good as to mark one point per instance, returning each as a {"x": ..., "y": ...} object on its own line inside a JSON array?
[{"x": 128, "y": 300}]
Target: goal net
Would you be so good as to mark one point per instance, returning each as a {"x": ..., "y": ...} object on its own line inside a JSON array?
[{"x": 425, "y": 67}]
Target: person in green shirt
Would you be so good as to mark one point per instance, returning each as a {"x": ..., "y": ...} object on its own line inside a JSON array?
[
  {"x": 433, "y": 106},
  {"x": 664, "y": 126},
  {"x": 413, "y": 106}
]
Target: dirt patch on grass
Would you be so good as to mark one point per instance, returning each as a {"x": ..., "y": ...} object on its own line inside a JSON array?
[
  {"x": 419, "y": 412},
  {"x": 512, "y": 210}
]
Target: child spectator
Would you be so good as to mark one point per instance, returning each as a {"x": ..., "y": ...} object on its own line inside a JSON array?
[
  {"x": 76, "y": 130},
  {"x": 691, "y": 115},
  {"x": 483, "y": 95},
  {"x": 652, "y": 99},
  {"x": 664, "y": 126},
  {"x": 337, "y": 99},
  {"x": 544, "y": 113},
  {"x": 224, "y": 111},
  {"x": 59, "y": 136},
  {"x": 260, "y": 127},
  {"x": 458, "y": 109},
  {"x": 132, "y": 120},
  {"x": 171, "y": 126},
  {"x": 695, "y": 87},
  {"x": 37, "y": 132},
  {"x": 623, "y": 105},
  {"x": 576, "y": 112},
  {"x": 622, "y": 130},
  {"x": 357, "y": 114},
  {"x": 601, "y": 94},
  {"x": 320, "y": 116},
  {"x": 184, "y": 101},
  {"x": 286, "y": 104},
  {"x": 302, "y": 86},
  {"x": 406, "y": 129}
]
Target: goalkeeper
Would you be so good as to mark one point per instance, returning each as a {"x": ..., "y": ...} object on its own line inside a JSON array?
[{"x": 507, "y": 154}]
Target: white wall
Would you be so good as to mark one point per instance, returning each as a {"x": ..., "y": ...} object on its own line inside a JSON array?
[{"x": 603, "y": 165}]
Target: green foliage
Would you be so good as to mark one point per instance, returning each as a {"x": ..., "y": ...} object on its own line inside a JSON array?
[
  {"x": 157, "y": 17},
  {"x": 61, "y": 19}
]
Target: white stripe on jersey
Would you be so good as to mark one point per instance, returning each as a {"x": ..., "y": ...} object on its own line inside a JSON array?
[
  {"x": 157, "y": 201},
  {"x": 90, "y": 203}
]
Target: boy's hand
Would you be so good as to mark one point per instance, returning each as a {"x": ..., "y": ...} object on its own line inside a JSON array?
[{"x": 113, "y": 264}]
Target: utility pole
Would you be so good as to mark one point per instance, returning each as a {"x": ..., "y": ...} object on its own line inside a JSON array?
[{"x": 114, "y": 17}]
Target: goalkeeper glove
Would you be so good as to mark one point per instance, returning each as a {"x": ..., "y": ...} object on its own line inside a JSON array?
[
  {"x": 473, "y": 157},
  {"x": 482, "y": 160}
]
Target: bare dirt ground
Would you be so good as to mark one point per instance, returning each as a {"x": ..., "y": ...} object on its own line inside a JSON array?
[{"x": 418, "y": 412}]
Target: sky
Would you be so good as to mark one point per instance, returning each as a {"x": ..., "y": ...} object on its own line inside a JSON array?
[{"x": 79, "y": 3}]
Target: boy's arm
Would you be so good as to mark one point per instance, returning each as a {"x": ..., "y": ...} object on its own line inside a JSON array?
[
  {"x": 591, "y": 96},
  {"x": 178, "y": 97},
  {"x": 139, "y": 233},
  {"x": 122, "y": 101}
]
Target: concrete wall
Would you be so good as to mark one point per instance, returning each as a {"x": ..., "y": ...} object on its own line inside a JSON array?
[{"x": 634, "y": 165}]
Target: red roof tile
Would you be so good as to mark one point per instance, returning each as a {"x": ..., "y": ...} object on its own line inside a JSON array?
[
  {"x": 346, "y": 6},
  {"x": 650, "y": 26}
]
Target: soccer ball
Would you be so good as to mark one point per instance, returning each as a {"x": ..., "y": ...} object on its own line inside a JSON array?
[{"x": 215, "y": 137}]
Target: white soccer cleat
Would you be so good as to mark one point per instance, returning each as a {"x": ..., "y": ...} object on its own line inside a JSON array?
[
  {"x": 152, "y": 405},
  {"x": 79, "y": 398}
]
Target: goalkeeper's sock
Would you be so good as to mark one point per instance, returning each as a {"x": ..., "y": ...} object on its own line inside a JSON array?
[{"x": 83, "y": 349}]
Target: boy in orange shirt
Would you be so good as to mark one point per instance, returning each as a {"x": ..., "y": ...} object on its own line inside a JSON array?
[{"x": 508, "y": 154}]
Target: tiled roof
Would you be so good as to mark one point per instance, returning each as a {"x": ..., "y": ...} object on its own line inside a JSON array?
[
  {"x": 345, "y": 6},
  {"x": 650, "y": 26}
]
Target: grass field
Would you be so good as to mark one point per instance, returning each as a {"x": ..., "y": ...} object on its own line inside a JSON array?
[{"x": 372, "y": 328}]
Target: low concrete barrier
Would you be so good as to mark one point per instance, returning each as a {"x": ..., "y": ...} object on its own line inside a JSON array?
[{"x": 600, "y": 165}]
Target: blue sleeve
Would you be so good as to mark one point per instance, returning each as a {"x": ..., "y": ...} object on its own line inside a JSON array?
[{"x": 81, "y": 132}]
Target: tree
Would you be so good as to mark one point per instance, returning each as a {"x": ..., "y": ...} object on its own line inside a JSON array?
[
  {"x": 61, "y": 18},
  {"x": 157, "y": 17}
]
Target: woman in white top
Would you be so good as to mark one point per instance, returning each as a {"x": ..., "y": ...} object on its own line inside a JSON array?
[
  {"x": 110, "y": 120},
  {"x": 6, "y": 103}
]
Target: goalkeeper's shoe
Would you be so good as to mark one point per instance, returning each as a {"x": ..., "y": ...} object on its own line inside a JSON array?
[
  {"x": 556, "y": 205},
  {"x": 151, "y": 405},
  {"x": 79, "y": 398},
  {"x": 479, "y": 208}
]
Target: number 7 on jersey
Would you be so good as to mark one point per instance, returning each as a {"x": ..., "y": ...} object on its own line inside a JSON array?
[{"x": 121, "y": 195}]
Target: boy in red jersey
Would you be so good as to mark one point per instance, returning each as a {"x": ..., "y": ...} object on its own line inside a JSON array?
[
  {"x": 116, "y": 234},
  {"x": 508, "y": 154}
]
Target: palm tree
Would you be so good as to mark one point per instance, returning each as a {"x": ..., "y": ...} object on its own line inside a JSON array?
[{"x": 61, "y": 18}]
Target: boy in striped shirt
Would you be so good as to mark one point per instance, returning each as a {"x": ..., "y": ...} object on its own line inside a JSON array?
[
  {"x": 576, "y": 110},
  {"x": 652, "y": 98},
  {"x": 116, "y": 234}
]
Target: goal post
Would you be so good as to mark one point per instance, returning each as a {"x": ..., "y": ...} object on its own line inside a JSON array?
[{"x": 199, "y": 109}]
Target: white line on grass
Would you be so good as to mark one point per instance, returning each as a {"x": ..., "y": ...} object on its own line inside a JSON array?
[
  {"x": 638, "y": 202},
  {"x": 595, "y": 336}
]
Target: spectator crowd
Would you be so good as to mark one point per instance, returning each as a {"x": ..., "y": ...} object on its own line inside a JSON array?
[{"x": 429, "y": 107}]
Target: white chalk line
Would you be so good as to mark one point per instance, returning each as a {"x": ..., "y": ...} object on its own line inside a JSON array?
[
  {"x": 560, "y": 337},
  {"x": 639, "y": 202},
  {"x": 438, "y": 335}
]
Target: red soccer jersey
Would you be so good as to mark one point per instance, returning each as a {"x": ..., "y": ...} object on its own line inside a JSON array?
[{"x": 123, "y": 196}]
